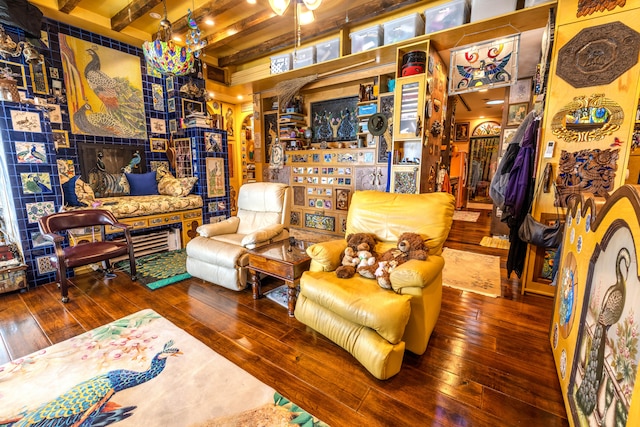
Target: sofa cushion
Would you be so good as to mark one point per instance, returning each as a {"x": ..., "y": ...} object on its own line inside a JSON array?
[
  {"x": 360, "y": 301},
  {"x": 142, "y": 184},
  {"x": 69, "y": 192}
]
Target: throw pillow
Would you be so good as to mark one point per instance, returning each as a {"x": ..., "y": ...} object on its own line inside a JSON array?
[
  {"x": 84, "y": 192},
  {"x": 142, "y": 184},
  {"x": 69, "y": 192},
  {"x": 176, "y": 187}
]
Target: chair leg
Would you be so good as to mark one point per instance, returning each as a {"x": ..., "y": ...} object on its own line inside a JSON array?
[
  {"x": 63, "y": 284},
  {"x": 132, "y": 266}
]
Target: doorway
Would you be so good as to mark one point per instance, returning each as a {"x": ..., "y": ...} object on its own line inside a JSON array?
[{"x": 483, "y": 160}]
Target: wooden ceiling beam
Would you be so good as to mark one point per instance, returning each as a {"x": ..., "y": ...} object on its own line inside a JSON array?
[
  {"x": 238, "y": 30},
  {"x": 133, "y": 11},
  {"x": 67, "y": 6},
  {"x": 317, "y": 29},
  {"x": 208, "y": 10}
]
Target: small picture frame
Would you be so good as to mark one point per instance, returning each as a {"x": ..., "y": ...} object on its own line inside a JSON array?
[
  {"x": 189, "y": 106},
  {"x": 520, "y": 91},
  {"x": 158, "y": 145},
  {"x": 169, "y": 84},
  {"x": 517, "y": 113},
  {"x": 17, "y": 72},
  {"x": 171, "y": 105},
  {"x": 173, "y": 126},
  {"x": 158, "y": 126},
  {"x": 461, "y": 132},
  {"x": 39, "y": 82},
  {"x": 60, "y": 138},
  {"x": 342, "y": 199}
]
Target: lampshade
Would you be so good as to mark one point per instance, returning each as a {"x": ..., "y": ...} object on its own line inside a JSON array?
[
  {"x": 164, "y": 56},
  {"x": 279, "y": 6},
  {"x": 167, "y": 58},
  {"x": 312, "y": 4}
]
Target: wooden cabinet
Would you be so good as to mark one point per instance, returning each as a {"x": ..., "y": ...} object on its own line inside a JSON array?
[
  {"x": 323, "y": 182},
  {"x": 418, "y": 119}
]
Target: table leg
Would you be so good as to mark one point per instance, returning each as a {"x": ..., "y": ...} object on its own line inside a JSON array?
[
  {"x": 292, "y": 296},
  {"x": 254, "y": 279}
]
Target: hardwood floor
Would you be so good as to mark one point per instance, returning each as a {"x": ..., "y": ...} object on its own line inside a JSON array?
[{"x": 488, "y": 362}]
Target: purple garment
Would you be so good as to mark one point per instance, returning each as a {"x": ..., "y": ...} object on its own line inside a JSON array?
[{"x": 516, "y": 194}]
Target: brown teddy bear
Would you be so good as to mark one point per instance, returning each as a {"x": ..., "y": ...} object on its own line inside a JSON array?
[
  {"x": 410, "y": 246},
  {"x": 361, "y": 244}
]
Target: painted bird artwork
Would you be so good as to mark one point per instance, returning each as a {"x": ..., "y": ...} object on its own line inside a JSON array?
[
  {"x": 611, "y": 310},
  {"x": 35, "y": 184},
  {"x": 487, "y": 72},
  {"x": 104, "y": 99},
  {"x": 34, "y": 154},
  {"x": 89, "y": 402}
]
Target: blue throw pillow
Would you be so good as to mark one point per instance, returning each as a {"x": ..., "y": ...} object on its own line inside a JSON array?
[
  {"x": 142, "y": 184},
  {"x": 69, "y": 192}
]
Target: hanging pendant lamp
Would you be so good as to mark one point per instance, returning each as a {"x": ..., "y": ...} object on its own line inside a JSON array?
[
  {"x": 163, "y": 55},
  {"x": 279, "y": 6}
]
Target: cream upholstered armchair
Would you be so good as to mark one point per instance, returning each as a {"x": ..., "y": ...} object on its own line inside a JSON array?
[
  {"x": 374, "y": 324},
  {"x": 219, "y": 253}
]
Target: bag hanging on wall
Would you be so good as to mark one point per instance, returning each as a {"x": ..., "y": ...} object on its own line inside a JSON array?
[{"x": 538, "y": 234}]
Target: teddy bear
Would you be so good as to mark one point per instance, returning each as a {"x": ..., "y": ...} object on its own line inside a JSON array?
[
  {"x": 350, "y": 257},
  {"x": 361, "y": 245},
  {"x": 410, "y": 246}
]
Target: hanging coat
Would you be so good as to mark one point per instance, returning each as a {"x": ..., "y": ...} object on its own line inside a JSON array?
[
  {"x": 517, "y": 197},
  {"x": 501, "y": 177}
]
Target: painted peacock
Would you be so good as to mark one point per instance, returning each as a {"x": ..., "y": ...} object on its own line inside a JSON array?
[
  {"x": 87, "y": 403},
  {"x": 610, "y": 312}
]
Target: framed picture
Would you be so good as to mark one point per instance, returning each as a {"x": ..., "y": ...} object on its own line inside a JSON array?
[
  {"x": 189, "y": 106},
  {"x": 215, "y": 177},
  {"x": 158, "y": 97},
  {"x": 158, "y": 145},
  {"x": 25, "y": 121},
  {"x": 342, "y": 199},
  {"x": 169, "y": 83},
  {"x": 36, "y": 183},
  {"x": 461, "y": 132},
  {"x": 31, "y": 152},
  {"x": 61, "y": 138},
  {"x": 17, "y": 72},
  {"x": 39, "y": 82},
  {"x": 520, "y": 91},
  {"x": 158, "y": 126},
  {"x": 230, "y": 160},
  {"x": 173, "y": 126},
  {"x": 213, "y": 142},
  {"x": 171, "y": 105},
  {"x": 517, "y": 113}
]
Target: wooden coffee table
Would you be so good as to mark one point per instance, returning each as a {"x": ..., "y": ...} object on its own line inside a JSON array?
[{"x": 281, "y": 260}]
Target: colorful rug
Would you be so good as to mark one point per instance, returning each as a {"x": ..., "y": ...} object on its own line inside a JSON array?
[
  {"x": 139, "y": 370},
  {"x": 158, "y": 270},
  {"x": 280, "y": 295},
  {"x": 495, "y": 242},
  {"x": 468, "y": 216},
  {"x": 472, "y": 272}
]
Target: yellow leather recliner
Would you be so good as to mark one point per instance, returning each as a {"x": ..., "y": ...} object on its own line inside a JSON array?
[{"x": 374, "y": 324}]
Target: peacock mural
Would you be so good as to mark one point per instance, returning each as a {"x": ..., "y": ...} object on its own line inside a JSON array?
[{"x": 104, "y": 90}]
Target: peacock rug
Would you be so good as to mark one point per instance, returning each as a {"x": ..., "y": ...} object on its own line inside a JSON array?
[
  {"x": 159, "y": 269},
  {"x": 141, "y": 370}
]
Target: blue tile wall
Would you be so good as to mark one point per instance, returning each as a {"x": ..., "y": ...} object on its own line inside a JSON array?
[{"x": 53, "y": 62}]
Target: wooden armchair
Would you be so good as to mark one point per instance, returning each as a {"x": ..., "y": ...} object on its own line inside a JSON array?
[{"x": 53, "y": 227}]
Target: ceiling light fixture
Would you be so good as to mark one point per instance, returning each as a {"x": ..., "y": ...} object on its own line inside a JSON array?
[
  {"x": 163, "y": 55},
  {"x": 280, "y": 6},
  {"x": 495, "y": 102}
]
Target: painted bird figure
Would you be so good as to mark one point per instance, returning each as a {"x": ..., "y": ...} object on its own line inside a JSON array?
[
  {"x": 88, "y": 400},
  {"x": 34, "y": 185},
  {"x": 610, "y": 312},
  {"x": 485, "y": 73}
]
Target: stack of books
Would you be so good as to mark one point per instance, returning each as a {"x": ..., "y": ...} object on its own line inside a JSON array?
[
  {"x": 292, "y": 118},
  {"x": 197, "y": 119}
]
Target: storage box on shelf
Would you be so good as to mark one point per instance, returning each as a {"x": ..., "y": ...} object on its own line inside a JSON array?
[
  {"x": 403, "y": 28},
  {"x": 367, "y": 38},
  {"x": 281, "y": 63},
  {"x": 485, "y": 9},
  {"x": 446, "y": 15},
  {"x": 304, "y": 57},
  {"x": 327, "y": 50}
]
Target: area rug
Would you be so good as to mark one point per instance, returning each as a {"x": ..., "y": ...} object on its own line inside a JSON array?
[
  {"x": 472, "y": 272},
  {"x": 280, "y": 295},
  {"x": 468, "y": 216},
  {"x": 495, "y": 242},
  {"x": 158, "y": 270},
  {"x": 141, "y": 370}
]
